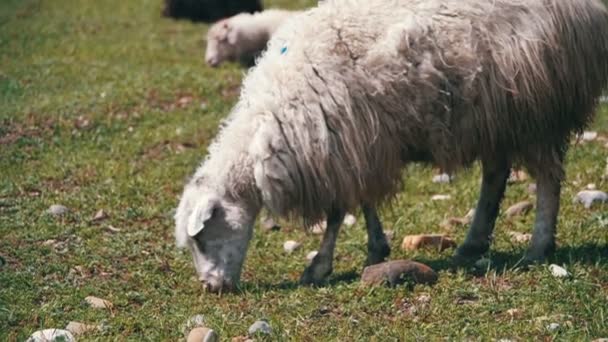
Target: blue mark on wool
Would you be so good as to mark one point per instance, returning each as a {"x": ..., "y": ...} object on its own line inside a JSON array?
[{"x": 283, "y": 50}]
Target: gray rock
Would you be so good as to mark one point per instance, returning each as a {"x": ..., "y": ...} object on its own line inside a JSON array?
[
  {"x": 51, "y": 335},
  {"x": 553, "y": 327},
  {"x": 260, "y": 327},
  {"x": 558, "y": 271},
  {"x": 588, "y": 197},
  {"x": 57, "y": 210},
  {"x": 290, "y": 246}
]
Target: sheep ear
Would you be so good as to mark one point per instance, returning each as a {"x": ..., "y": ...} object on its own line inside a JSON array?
[
  {"x": 200, "y": 216},
  {"x": 232, "y": 35}
]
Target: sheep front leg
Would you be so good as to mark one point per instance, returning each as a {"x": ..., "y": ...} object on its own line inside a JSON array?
[
  {"x": 321, "y": 266},
  {"x": 493, "y": 186},
  {"x": 377, "y": 246}
]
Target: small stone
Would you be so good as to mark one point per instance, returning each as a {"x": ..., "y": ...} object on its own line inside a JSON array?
[
  {"x": 98, "y": 303},
  {"x": 290, "y": 246},
  {"x": 100, "y": 215},
  {"x": 532, "y": 188},
  {"x": 57, "y": 210},
  {"x": 413, "y": 242},
  {"x": 78, "y": 328},
  {"x": 520, "y": 237},
  {"x": 202, "y": 334},
  {"x": 442, "y": 178},
  {"x": 260, "y": 327},
  {"x": 553, "y": 327},
  {"x": 517, "y": 176},
  {"x": 389, "y": 234},
  {"x": 319, "y": 228},
  {"x": 195, "y": 321},
  {"x": 588, "y": 197},
  {"x": 423, "y": 299},
  {"x": 241, "y": 339},
  {"x": 589, "y": 136},
  {"x": 483, "y": 263},
  {"x": 603, "y": 339},
  {"x": 311, "y": 255},
  {"x": 470, "y": 214},
  {"x": 558, "y": 271},
  {"x": 349, "y": 220},
  {"x": 440, "y": 197},
  {"x": 113, "y": 229},
  {"x": 51, "y": 335},
  {"x": 591, "y": 186},
  {"x": 268, "y": 224},
  {"x": 396, "y": 272},
  {"x": 519, "y": 209},
  {"x": 458, "y": 221}
]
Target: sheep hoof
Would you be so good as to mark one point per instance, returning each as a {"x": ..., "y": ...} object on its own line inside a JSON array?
[
  {"x": 467, "y": 254},
  {"x": 315, "y": 275},
  {"x": 378, "y": 256}
]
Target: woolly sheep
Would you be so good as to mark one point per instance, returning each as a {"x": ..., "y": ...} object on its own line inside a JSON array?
[
  {"x": 350, "y": 92},
  {"x": 208, "y": 10},
  {"x": 243, "y": 36}
]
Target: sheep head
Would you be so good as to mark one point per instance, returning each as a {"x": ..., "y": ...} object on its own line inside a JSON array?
[
  {"x": 217, "y": 229},
  {"x": 222, "y": 39}
]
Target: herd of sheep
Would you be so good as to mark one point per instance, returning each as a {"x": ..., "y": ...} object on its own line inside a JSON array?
[{"x": 344, "y": 95}]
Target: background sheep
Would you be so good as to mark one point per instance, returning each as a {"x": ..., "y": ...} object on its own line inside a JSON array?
[
  {"x": 351, "y": 91},
  {"x": 208, "y": 10},
  {"x": 243, "y": 36}
]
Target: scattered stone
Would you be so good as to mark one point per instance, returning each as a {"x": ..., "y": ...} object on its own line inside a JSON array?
[
  {"x": 319, "y": 228},
  {"x": 558, "y": 271},
  {"x": 442, "y": 178},
  {"x": 195, "y": 321},
  {"x": 290, "y": 246},
  {"x": 268, "y": 224},
  {"x": 78, "y": 328},
  {"x": 440, "y": 197},
  {"x": 588, "y": 197},
  {"x": 100, "y": 215},
  {"x": 589, "y": 136},
  {"x": 98, "y": 303},
  {"x": 113, "y": 229},
  {"x": 532, "y": 188},
  {"x": 458, "y": 221},
  {"x": 260, "y": 327},
  {"x": 517, "y": 176},
  {"x": 241, "y": 339},
  {"x": 349, "y": 220},
  {"x": 57, "y": 210},
  {"x": 396, "y": 272},
  {"x": 202, "y": 334},
  {"x": 519, "y": 209},
  {"x": 423, "y": 299},
  {"x": 439, "y": 241},
  {"x": 389, "y": 234},
  {"x": 600, "y": 339},
  {"x": 51, "y": 335},
  {"x": 483, "y": 264},
  {"x": 520, "y": 237},
  {"x": 553, "y": 327},
  {"x": 591, "y": 186},
  {"x": 311, "y": 255}
]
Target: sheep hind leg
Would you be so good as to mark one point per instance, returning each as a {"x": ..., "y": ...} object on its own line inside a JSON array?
[
  {"x": 322, "y": 264},
  {"x": 494, "y": 180},
  {"x": 377, "y": 246}
]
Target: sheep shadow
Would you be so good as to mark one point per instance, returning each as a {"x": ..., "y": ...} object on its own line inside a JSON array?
[{"x": 346, "y": 277}]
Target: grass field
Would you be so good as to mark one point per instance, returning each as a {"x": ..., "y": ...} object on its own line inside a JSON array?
[{"x": 105, "y": 105}]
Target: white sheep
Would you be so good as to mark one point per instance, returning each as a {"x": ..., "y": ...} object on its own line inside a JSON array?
[
  {"x": 350, "y": 92},
  {"x": 243, "y": 36}
]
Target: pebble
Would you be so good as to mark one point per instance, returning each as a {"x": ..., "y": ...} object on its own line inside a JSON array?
[
  {"x": 604, "y": 339},
  {"x": 440, "y": 197},
  {"x": 290, "y": 246},
  {"x": 520, "y": 237},
  {"x": 51, "y": 335},
  {"x": 588, "y": 197},
  {"x": 553, "y": 327},
  {"x": 311, "y": 255},
  {"x": 442, "y": 178},
  {"x": 589, "y": 136},
  {"x": 396, "y": 272},
  {"x": 389, "y": 234},
  {"x": 78, "y": 328},
  {"x": 517, "y": 176},
  {"x": 591, "y": 186},
  {"x": 515, "y": 313},
  {"x": 57, "y": 210},
  {"x": 98, "y": 303},
  {"x": 319, "y": 228},
  {"x": 202, "y": 334},
  {"x": 518, "y": 209},
  {"x": 349, "y": 220},
  {"x": 458, "y": 221},
  {"x": 439, "y": 241},
  {"x": 558, "y": 271},
  {"x": 268, "y": 224},
  {"x": 261, "y": 327},
  {"x": 532, "y": 188}
]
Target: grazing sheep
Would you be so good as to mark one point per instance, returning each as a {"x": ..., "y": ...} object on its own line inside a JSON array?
[
  {"x": 350, "y": 92},
  {"x": 208, "y": 10},
  {"x": 243, "y": 36}
]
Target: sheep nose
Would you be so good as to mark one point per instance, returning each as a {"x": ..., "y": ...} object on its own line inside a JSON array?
[{"x": 212, "y": 62}]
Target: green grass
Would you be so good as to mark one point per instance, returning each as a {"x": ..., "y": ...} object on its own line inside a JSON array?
[{"x": 105, "y": 105}]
